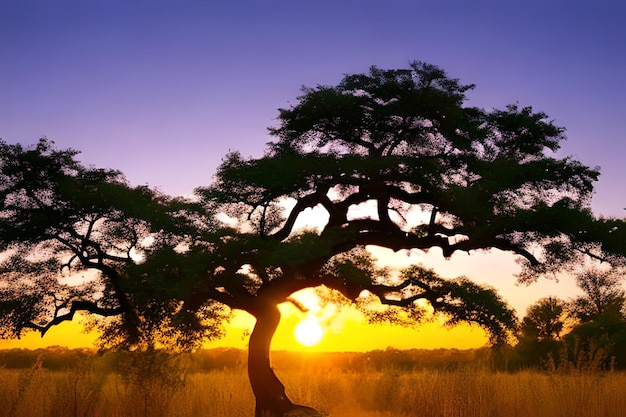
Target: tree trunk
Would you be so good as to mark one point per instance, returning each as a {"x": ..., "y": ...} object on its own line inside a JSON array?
[{"x": 271, "y": 400}]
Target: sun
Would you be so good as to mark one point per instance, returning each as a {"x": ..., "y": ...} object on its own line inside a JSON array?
[{"x": 309, "y": 332}]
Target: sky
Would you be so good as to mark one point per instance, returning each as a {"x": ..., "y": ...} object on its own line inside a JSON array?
[{"x": 162, "y": 90}]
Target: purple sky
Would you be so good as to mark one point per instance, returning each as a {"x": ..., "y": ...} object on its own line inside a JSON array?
[{"x": 163, "y": 89}]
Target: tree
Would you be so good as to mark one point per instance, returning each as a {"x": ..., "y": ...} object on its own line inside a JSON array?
[
  {"x": 541, "y": 332},
  {"x": 60, "y": 220},
  {"x": 545, "y": 319},
  {"x": 392, "y": 158},
  {"x": 599, "y": 338},
  {"x": 604, "y": 296}
]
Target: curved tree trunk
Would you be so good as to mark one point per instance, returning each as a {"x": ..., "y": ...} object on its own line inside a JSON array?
[{"x": 271, "y": 400}]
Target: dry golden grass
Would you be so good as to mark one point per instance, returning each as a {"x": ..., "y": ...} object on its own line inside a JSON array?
[
  {"x": 37, "y": 392},
  {"x": 463, "y": 394}
]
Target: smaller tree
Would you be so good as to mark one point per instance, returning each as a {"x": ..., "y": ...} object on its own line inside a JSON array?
[
  {"x": 604, "y": 296},
  {"x": 541, "y": 332},
  {"x": 599, "y": 339},
  {"x": 545, "y": 319}
]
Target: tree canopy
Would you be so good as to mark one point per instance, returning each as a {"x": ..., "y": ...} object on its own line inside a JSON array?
[
  {"x": 402, "y": 141},
  {"x": 391, "y": 158},
  {"x": 604, "y": 295},
  {"x": 544, "y": 320},
  {"x": 70, "y": 236},
  {"x": 587, "y": 332}
]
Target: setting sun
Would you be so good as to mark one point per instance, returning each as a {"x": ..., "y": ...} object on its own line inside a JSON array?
[{"x": 309, "y": 332}]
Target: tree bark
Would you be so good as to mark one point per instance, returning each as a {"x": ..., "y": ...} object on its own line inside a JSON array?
[{"x": 271, "y": 400}]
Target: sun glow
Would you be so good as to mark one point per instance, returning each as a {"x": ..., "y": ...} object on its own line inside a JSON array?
[
  {"x": 309, "y": 332},
  {"x": 317, "y": 320}
]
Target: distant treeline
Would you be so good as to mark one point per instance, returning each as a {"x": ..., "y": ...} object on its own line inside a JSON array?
[
  {"x": 557, "y": 357},
  {"x": 59, "y": 358}
]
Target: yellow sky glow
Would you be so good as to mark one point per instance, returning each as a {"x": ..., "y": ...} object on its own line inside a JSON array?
[{"x": 345, "y": 331}]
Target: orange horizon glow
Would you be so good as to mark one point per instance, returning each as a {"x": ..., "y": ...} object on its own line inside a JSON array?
[{"x": 347, "y": 331}]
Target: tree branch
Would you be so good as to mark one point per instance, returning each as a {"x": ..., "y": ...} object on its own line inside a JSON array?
[
  {"x": 371, "y": 232},
  {"x": 303, "y": 203},
  {"x": 75, "y": 307},
  {"x": 382, "y": 291}
]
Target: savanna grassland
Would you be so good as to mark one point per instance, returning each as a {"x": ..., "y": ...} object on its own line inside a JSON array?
[{"x": 344, "y": 385}]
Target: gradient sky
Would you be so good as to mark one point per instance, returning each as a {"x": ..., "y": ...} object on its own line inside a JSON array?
[{"x": 163, "y": 89}]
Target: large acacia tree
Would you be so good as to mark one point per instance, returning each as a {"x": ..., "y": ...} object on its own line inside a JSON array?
[{"x": 391, "y": 158}]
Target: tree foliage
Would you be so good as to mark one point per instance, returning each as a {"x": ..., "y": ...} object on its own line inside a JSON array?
[
  {"x": 401, "y": 139},
  {"x": 545, "y": 320},
  {"x": 388, "y": 158},
  {"x": 541, "y": 330},
  {"x": 70, "y": 237},
  {"x": 603, "y": 296},
  {"x": 600, "y": 331},
  {"x": 585, "y": 333}
]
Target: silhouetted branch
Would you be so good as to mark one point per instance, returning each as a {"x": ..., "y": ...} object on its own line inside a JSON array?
[{"x": 76, "y": 306}]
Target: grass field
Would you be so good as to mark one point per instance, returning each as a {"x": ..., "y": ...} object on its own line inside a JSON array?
[{"x": 91, "y": 392}]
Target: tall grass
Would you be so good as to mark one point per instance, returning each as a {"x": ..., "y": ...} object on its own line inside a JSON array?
[
  {"x": 38, "y": 392},
  {"x": 463, "y": 394}
]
